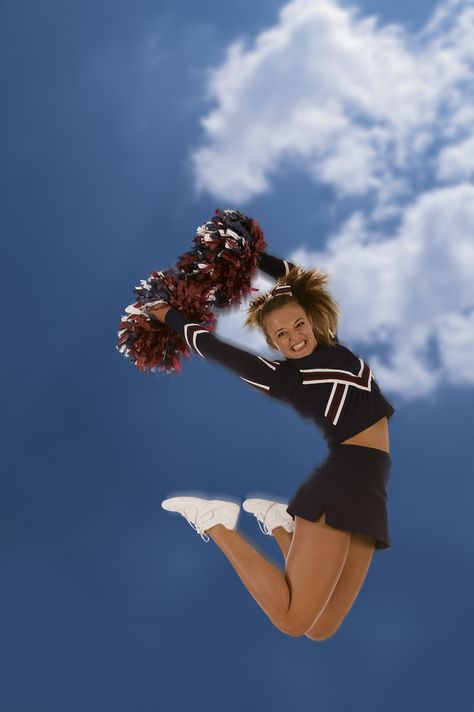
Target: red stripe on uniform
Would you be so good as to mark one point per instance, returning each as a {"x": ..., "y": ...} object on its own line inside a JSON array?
[{"x": 336, "y": 401}]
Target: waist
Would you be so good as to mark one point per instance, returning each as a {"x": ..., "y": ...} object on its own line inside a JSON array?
[
  {"x": 375, "y": 437},
  {"x": 359, "y": 451}
]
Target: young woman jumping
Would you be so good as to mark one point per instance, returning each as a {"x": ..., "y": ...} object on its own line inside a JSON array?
[{"x": 335, "y": 520}]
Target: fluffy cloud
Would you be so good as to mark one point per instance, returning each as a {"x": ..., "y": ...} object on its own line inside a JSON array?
[{"x": 372, "y": 111}]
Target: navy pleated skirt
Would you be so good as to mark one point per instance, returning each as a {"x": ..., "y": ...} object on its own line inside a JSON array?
[{"x": 350, "y": 487}]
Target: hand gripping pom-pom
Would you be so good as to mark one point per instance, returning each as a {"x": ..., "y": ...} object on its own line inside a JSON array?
[
  {"x": 215, "y": 272},
  {"x": 224, "y": 257},
  {"x": 150, "y": 344}
]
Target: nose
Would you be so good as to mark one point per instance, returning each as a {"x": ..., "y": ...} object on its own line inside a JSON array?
[{"x": 296, "y": 338}]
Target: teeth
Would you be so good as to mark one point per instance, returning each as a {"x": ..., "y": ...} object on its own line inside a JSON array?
[{"x": 299, "y": 346}]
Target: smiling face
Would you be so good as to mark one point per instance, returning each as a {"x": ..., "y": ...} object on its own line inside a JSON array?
[{"x": 289, "y": 327}]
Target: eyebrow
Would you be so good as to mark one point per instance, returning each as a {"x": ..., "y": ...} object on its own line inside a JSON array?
[{"x": 282, "y": 327}]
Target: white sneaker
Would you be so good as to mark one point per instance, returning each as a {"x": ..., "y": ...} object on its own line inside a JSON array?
[
  {"x": 271, "y": 514},
  {"x": 202, "y": 514}
]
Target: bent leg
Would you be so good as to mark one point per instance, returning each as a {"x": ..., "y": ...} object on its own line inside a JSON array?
[
  {"x": 313, "y": 566},
  {"x": 354, "y": 573},
  {"x": 292, "y": 599},
  {"x": 359, "y": 558},
  {"x": 264, "y": 581}
]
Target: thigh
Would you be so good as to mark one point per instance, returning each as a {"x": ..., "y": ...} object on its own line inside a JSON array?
[
  {"x": 313, "y": 566},
  {"x": 354, "y": 572}
]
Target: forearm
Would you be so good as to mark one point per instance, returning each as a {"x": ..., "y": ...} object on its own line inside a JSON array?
[
  {"x": 274, "y": 266},
  {"x": 266, "y": 376},
  {"x": 259, "y": 372},
  {"x": 204, "y": 342}
]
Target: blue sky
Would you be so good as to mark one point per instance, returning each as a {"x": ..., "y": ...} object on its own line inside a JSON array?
[{"x": 124, "y": 126}]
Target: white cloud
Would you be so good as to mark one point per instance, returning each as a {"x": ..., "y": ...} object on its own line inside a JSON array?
[
  {"x": 457, "y": 161},
  {"x": 374, "y": 111}
]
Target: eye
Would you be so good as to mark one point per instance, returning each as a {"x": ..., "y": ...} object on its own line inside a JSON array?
[{"x": 300, "y": 323}]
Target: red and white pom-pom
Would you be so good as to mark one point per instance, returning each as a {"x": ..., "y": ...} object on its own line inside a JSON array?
[
  {"x": 150, "y": 344},
  {"x": 224, "y": 257}
]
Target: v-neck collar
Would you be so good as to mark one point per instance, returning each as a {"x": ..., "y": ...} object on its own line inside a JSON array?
[{"x": 309, "y": 358}]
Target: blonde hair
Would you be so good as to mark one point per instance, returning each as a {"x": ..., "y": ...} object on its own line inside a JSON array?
[{"x": 308, "y": 290}]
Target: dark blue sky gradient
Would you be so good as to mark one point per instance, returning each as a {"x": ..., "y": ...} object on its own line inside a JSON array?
[{"x": 107, "y": 602}]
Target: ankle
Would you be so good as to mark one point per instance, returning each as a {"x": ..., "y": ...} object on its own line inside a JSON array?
[
  {"x": 282, "y": 533},
  {"x": 217, "y": 530}
]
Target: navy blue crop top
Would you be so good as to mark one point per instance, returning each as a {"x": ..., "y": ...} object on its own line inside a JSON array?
[{"x": 331, "y": 386}]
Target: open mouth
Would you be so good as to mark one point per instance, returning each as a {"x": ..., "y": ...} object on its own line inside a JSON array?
[{"x": 299, "y": 347}]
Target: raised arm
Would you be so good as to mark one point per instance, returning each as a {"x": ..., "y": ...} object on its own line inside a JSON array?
[
  {"x": 274, "y": 266},
  {"x": 267, "y": 376}
]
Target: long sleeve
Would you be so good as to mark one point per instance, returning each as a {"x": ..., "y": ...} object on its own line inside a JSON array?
[
  {"x": 267, "y": 376},
  {"x": 274, "y": 266}
]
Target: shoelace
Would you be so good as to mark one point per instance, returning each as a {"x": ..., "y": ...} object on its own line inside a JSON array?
[
  {"x": 265, "y": 529},
  {"x": 198, "y": 527}
]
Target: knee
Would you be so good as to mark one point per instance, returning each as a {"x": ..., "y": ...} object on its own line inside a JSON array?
[
  {"x": 321, "y": 634},
  {"x": 295, "y": 632},
  {"x": 319, "y": 637},
  {"x": 299, "y": 626},
  {"x": 295, "y": 629},
  {"x": 291, "y": 628}
]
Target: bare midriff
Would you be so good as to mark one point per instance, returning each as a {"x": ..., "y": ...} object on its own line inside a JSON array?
[{"x": 375, "y": 436}]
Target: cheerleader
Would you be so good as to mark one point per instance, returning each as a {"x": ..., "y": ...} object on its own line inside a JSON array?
[{"x": 337, "y": 517}]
